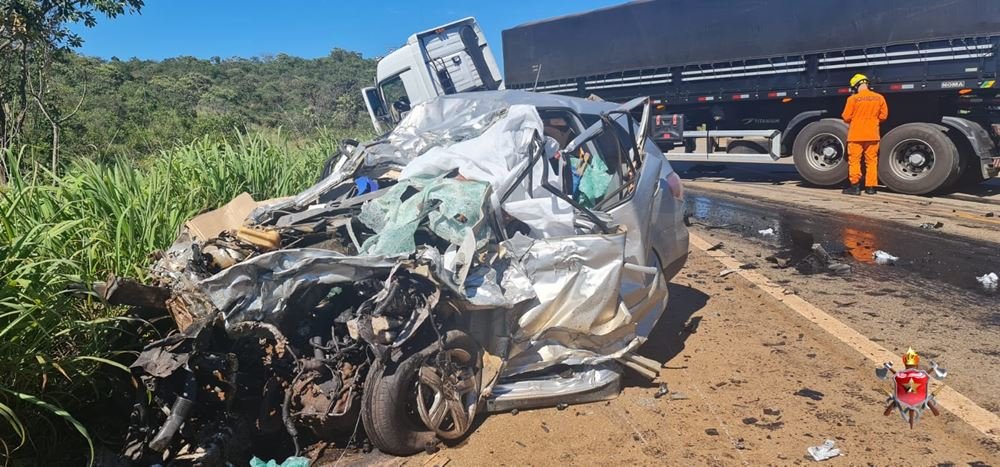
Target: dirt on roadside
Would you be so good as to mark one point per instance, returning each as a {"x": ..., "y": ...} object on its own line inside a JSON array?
[{"x": 750, "y": 383}]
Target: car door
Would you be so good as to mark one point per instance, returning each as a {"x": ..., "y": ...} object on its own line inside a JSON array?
[
  {"x": 631, "y": 201},
  {"x": 593, "y": 283}
]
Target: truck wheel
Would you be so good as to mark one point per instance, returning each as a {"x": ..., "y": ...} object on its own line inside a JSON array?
[
  {"x": 820, "y": 152},
  {"x": 433, "y": 392},
  {"x": 742, "y": 146},
  {"x": 971, "y": 170},
  {"x": 918, "y": 158}
]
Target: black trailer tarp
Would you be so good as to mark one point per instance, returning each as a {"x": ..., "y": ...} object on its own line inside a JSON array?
[{"x": 661, "y": 33}]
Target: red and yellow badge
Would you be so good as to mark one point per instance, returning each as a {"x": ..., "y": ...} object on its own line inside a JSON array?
[{"x": 911, "y": 392}]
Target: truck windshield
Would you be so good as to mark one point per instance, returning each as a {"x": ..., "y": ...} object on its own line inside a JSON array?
[{"x": 394, "y": 93}]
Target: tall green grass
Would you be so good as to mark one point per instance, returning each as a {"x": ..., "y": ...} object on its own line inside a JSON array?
[{"x": 58, "y": 234}]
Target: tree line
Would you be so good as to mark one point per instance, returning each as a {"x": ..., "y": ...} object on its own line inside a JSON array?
[{"x": 61, "y": 105}]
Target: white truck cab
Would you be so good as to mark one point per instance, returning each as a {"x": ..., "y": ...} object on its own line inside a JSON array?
[{"x": 448, "y": 59}]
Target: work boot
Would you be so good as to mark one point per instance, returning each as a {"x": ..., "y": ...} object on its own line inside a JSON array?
[
  {"x": 870, "y": 190},
  {"x": 854, "y": 189}
]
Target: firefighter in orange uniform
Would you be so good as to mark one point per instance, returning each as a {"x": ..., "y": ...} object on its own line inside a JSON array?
[{"x": 864, "y": 112}]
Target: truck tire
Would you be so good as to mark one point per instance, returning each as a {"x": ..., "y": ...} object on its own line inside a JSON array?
[
  {"x": 742, "y": 146},
  {"x": 917, "y": 159},
  {"x": 391, "y": 411},
  {"x": 971, "y": 170},
  {"x": 820, "y": 152}
]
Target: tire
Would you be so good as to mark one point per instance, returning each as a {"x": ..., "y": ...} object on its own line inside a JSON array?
[
  {"x": 389, "y": 406},
  {"x": 971, "y": 170},
  {"x": 917, "y": 159},
  {"x": 742, "y": 146},
  {"x": 820, "y": 152}
]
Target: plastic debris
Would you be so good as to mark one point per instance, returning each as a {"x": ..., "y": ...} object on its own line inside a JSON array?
[
  {"x": 929, "y": 226},
  {"x": 290, "y": 462},
  {"x": 662, "y": 391},
  {"x": 883, "y": 258},
  {"x": 989, "y": 281},
  {"x": 809, "y": 393},
  {"x": 678, "y": 396},
  {"x": 819, "y": 260},
  {"x": 839, "y": 268},
  {"x": 593, "y": 183},
  {"x": 824, "y": 451},
  {"x": 766, "y": 232},
  {"x": 726, "y": 272}
]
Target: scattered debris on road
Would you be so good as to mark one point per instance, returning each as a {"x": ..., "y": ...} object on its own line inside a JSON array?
[
  {"x": 989, "y": 281},
  {"x": 678, "y": 396},
  {"x": 662, "y": 391},
  {"x": 930, "y": 226},
  {"x": 717, "y": 246},
  {"x": 810, "y": 394},
  {"x": 289, "y": 462},
  {"x": 766, "y": 232},
  {"x": 824, "y": 451},
  {"x": 726, "y": 272},
  {"x": 819, "y": 261},
  {"x": 884, "y": 258},
  {"x": 691, "y": 326}
]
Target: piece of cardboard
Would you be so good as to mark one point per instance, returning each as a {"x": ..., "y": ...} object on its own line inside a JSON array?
[{"x": 229, "y": 217}]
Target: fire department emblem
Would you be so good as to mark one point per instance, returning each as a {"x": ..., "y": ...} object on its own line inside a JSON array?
[{"x": 911, "y": 392}]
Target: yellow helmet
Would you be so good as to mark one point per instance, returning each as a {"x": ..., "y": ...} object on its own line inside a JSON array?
[{"x": 857, "y": 79}]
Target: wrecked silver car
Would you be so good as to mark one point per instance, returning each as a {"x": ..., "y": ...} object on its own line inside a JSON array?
[{"x": 496, "y": 250}]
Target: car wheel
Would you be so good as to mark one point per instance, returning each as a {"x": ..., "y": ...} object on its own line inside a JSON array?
[
  {"x": 918, "y": 158},
  {"x": 432, "y": 393},
  {"x": 820, "y": 152}
]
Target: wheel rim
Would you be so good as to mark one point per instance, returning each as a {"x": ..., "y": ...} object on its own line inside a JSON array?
[
  {"x": 448, "y": 393},
  {"x": 911, "y": 159},
  {"x": 825, "y": 152}
]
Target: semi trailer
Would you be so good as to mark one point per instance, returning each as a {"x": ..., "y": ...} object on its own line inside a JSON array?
[{"x": 756, "y": 80}]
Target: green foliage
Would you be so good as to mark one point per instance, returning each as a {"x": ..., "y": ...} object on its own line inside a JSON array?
[
  {"x": 141, "y": 107},
  {"x": 58, "y": 234},
  {"x": 45, "y": 23}
]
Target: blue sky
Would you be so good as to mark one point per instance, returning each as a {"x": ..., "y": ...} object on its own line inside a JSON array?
[{"x": 227, "y": 28}]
